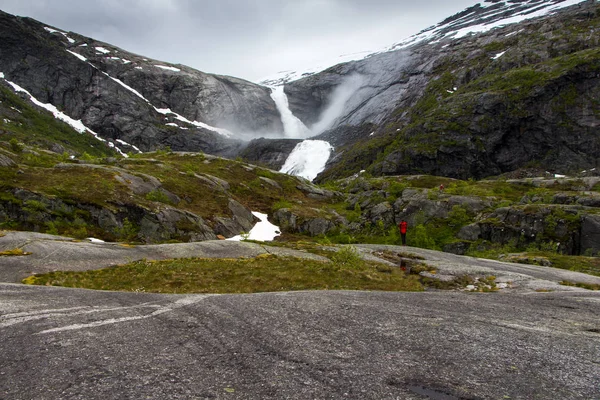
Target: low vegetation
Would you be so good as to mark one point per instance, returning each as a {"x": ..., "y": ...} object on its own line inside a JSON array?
[
  {"x": 13, "y": 252},
  {"x": 261, "y": 274}
]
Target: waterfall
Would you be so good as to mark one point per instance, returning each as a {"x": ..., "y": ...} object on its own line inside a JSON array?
[
  {"x": 293, "y": 128},
  {"x": 307, "y": 159}
]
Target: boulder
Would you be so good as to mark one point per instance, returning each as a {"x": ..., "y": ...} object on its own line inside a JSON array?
[
  {"x": 317, "y": 226},
  {"x": 590, "y": 235},
  {"x": 315, "y": 192},
  {"x": 286, "y": 220},
  {"x": 383, "y": 212},
  {"x": 241, "y": 220}
]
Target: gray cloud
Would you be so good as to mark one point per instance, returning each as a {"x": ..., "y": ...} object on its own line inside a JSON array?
[{"x": 250, "y": 40}]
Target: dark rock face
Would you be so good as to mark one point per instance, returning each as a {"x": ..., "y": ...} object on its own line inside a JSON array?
[
  {"x": 269, "y": 152},
  {"x": 590, "y": 235},
  {"x": 123, "y": 96}
]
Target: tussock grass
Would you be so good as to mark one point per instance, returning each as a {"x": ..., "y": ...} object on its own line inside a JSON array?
[
  {"x": 14, "y": 252},
  {"x": 266, "y": 273}
]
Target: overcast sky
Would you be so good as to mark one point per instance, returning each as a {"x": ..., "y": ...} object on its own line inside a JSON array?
[{"x": 250, "y": 39}]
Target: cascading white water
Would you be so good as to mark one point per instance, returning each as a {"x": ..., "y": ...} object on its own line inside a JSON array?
[
  {"x": 307, "y": 159},
  {"x": 293, "y": 128}
]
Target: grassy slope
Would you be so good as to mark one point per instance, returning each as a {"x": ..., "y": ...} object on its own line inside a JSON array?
[{"x": 23, "y": 122}]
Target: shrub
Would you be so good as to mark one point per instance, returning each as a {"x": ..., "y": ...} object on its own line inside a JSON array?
[
  {"x": 422, "y": 239},
  {"x": 278, "y": 205},
  {"x": 35, "y": 206},
  {"x": 15, "y": 145},
  {"x": 128, "y": 231},
  {"x": 158, "y": 195},
  {"x": 347, "y": 256}
]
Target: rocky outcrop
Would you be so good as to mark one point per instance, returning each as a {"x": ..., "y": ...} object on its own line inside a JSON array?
[
  {"x": 241, "y": 220},
  {"x": 590, "y": 235},
  {"x": 131, "y": 100},
  {"x": 271, "y": 153},
  {"x": 35, "y": 212},
  {"x": 289, "y": 221}
]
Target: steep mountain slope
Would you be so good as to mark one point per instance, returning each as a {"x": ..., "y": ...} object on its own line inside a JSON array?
[
  {"x": 468, "y": 105},
  {"x": 126, "y": 98}
]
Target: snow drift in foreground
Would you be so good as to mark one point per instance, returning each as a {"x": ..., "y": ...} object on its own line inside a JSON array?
[
  {"x": 264, "y": 231},
  {"x": 307, "y": 159}
]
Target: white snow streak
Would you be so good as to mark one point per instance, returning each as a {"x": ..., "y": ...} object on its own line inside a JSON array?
[
  {"x": 497, "y": 56},
  {"x": 165, "y": 111},
  {"x": 307, "y": 159},
  {"x": 102, "y": 50},
  {"x": 82, "y": 58},
  {"x": 75, "y": 124},
  {"x": 264, "y": 231},
  {"x": 124, "y": 143},
  {"x": 168, "y": 68},
  {"x": 181, "y": 118},
  {"x": 62, "y": 33}
]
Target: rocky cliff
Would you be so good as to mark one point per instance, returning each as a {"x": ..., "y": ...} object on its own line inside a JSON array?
[
  {"x": 475, "y": 105},
  {"x": 131, "y": 100}
]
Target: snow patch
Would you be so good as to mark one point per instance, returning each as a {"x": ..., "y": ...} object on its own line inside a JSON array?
[
  {"x": 62, "y": 33},
  {"x": 168, "y": 68},
  {"x": 263, "y": 231},
  {"x": 307, "y": 159},
  {"x": 82, "y": 58},
  {"x": 102, "y": 50},
  {"x": 181, "y": 118},
  {"x": 127, "y": 144},
  {"x": 497, "y": 56}
]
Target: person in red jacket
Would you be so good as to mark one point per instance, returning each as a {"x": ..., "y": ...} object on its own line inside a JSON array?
[{"x": 402, "y": 226}]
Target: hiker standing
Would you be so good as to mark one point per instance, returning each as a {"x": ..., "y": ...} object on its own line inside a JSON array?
[{"x": 402, "y": 226}]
